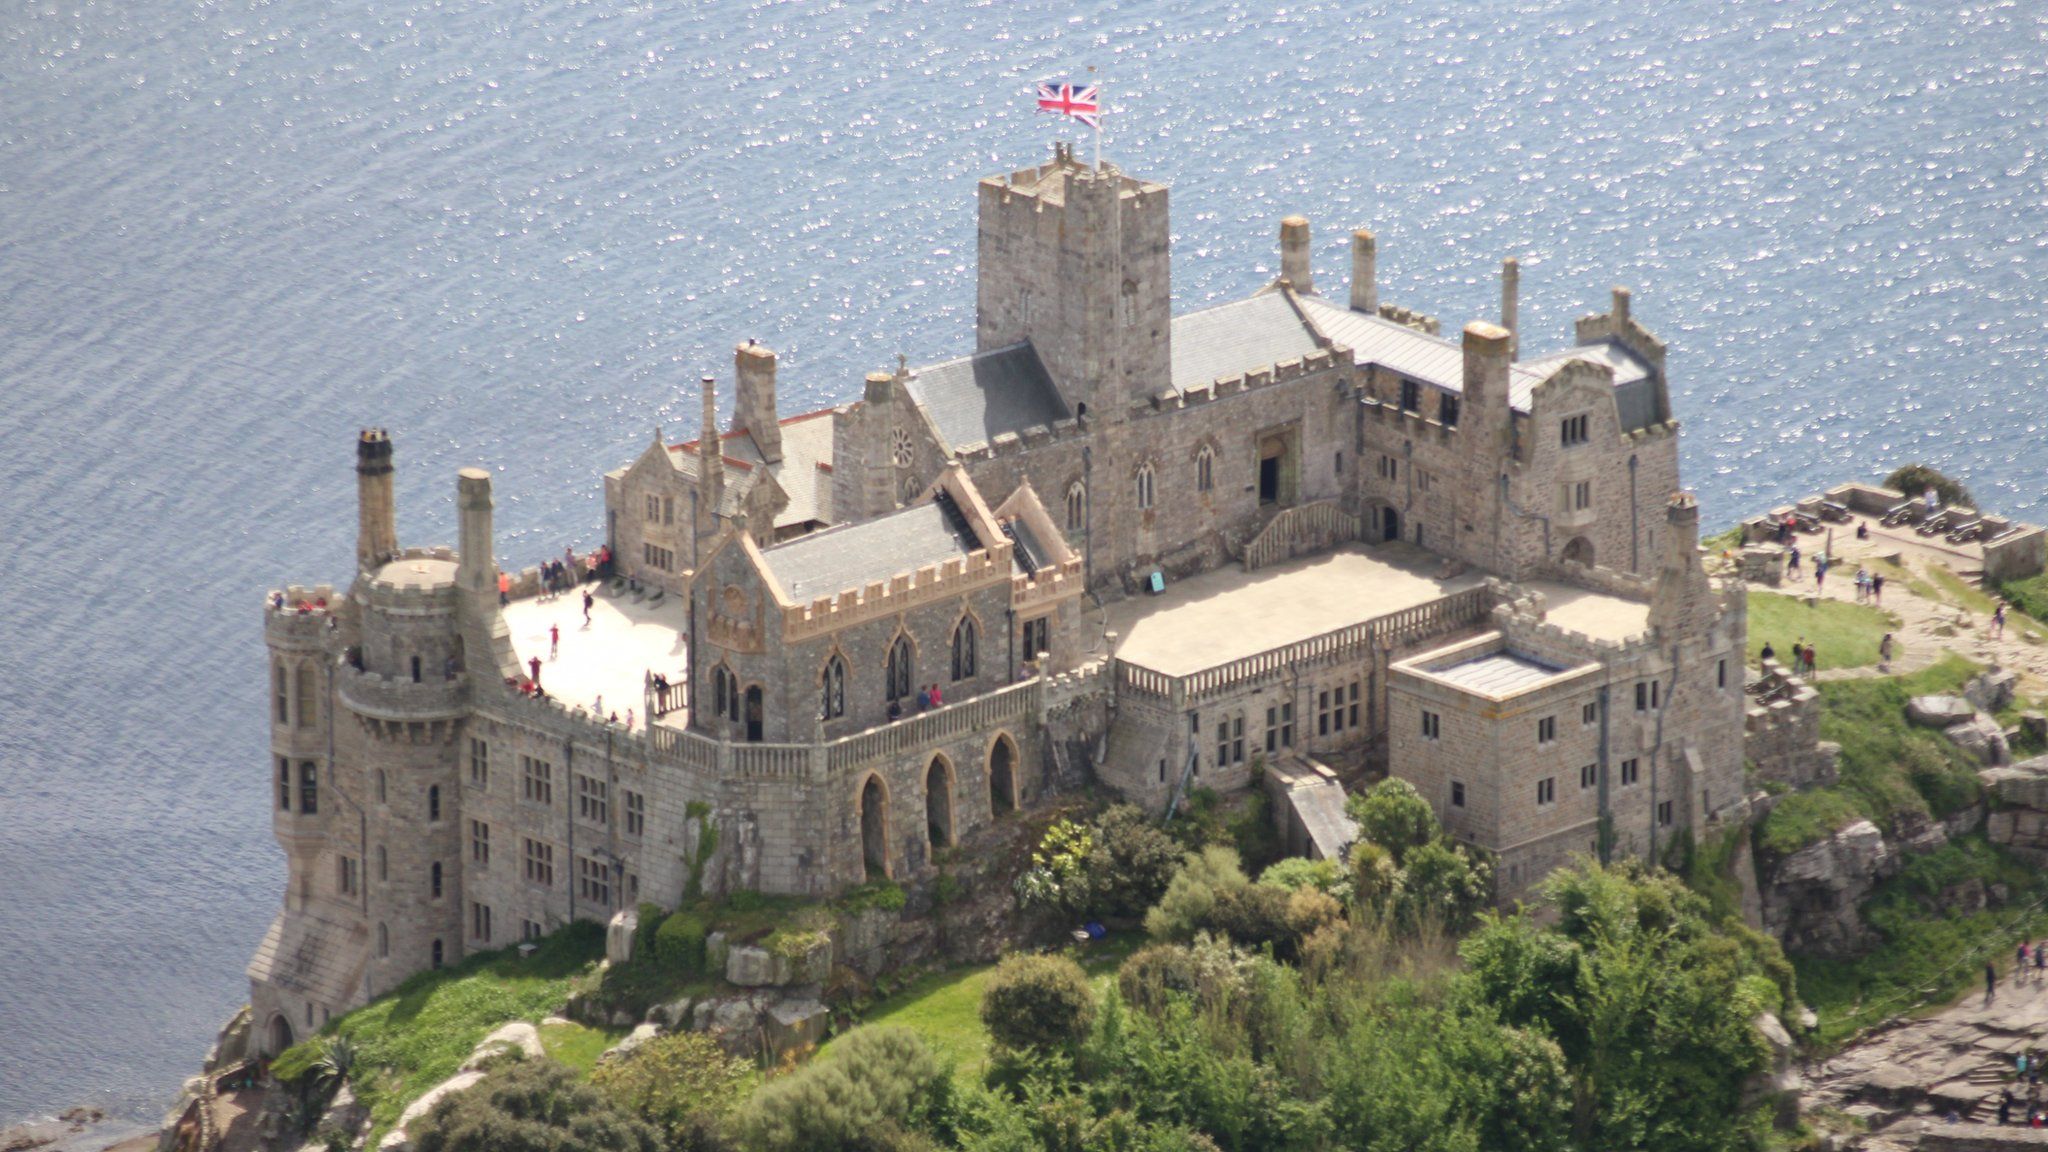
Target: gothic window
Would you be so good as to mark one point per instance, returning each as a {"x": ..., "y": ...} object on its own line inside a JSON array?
[
  {"x": 1145, "y": 487},
  {"x": 277, "y": 678},
  {"x": 307, "y": 712},
  {"x": 284, "y": 784},
  {"x": 900, "y": 448},
  {"x": 434, "y": 880},
  {"x": 1205, "y": 469},
  {"x": 899, "y": 670},
  {"x": 725, "y": 693},
  {"x": 963, "y": 650},
  {"x": 381, "y": 792},
  {"x": 434, "y": 804},
  {"x": 832, "y": 703},
  {"x": 309, "y": 789},
  {"x": 1077, "y": 507}
]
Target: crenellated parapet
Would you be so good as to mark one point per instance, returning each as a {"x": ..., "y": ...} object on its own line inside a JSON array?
[
  {"x": 375, "y": 697},
  {"x": 1286, "y": 371},
  {"x": 901, "y": 592},
  {"x": 1047, "y": 584}
]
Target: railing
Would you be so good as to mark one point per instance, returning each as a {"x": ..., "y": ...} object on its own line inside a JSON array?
[
  {"x": 1394, "y": 630},
  {"x": 1310, "y": 527}
]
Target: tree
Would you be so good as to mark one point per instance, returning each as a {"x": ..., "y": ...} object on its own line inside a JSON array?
[
  {"x": 878, "y": 1089},
  {"x": 1393, "y": 815},
  {"x": 1132, "y": 862},
  {"x": 684, "y": 1084},
  {"x": 1913, "y": 479},
  {"x": 1038, "y": 1002},
  {"x": 1443, "y": 880},
  {"x": 1059, "y": 879},
  {"x": 531, "y": 1106},
  {"x": 1189, "y": 900}
]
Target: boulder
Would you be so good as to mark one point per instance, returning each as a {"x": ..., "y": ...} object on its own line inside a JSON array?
[
  {"x": 752, "y": 966},
  {"x": 2034, "y": 726},
  {"x": 1981, "y": 737},
  {"x": 673, "y": 1016},
  {"x": 715, "y": 947},
  {"x": 396, "y": 1140},
  {"x": 795, "y": 1023},
  {"x": 618, "y": 936},
  {"x": 630, "y": 1044},
  {"x": 1992, "y": 689},
  {"x": 1939, "y": 711},
  {"x": 517, "y": 1036},
  {"x": 1810, "y": 898}
]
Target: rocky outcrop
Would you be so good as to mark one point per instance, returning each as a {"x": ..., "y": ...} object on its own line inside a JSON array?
[
  {"x": 809, "y": 961},
  {"x": 1939, "y": 711},
  {"x": 2019, "y": 817},
  {"x": 1781, "y": 1084},
  {"x": 518, "y": 1036},
  {"x": 1992, "y": 689},
  {"x": 1810, "y": 901},
  {"x": 1981, "y": 737}
]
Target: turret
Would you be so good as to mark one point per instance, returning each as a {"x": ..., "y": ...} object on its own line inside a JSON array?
[
  {"x": 1294, "y": 255},
  {"x": 1365, "y": 289},
  {"x": 754, "y": 398},
  {"x": 1487, "y": 360},
  {"x": 376, "y": 510}
]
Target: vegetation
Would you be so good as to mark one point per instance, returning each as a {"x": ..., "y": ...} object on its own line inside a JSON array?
[
  {"x": 685, "y": 1085},
  {"x": 1887, "y": 766},
  {"x": 418, "y": 1035},
  {"x": 874, "y": 1090},
  {"x": 577, "y": 1046},
  {"x": 1843, "y": 635},
  {"x": 1114, "y": 866},
  {"x": 1914, "y": 479},
  {"x": 2029, "y": 596},
  {"x": 531, "y": 1106},
  {"x": 1039, "y": 1002}
]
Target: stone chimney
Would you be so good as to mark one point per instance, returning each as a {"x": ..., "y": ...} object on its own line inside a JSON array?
[
  {"x": 754, "y": 398},
  {"x": 878, "y": 425},
  {"x": 477, "y": 571},
  {"x": 1683, "y": 602},
  {"x": 1620, "y": 310},
  {"x": 1294, "y": 255},
  {"x": 1365, "y": 288},
  {"x": 1510, "y": 302},
  {"x": 710, "y": 455},
  {"x": 376, "y": 509},
  {"x": 1486, "y": 369}
]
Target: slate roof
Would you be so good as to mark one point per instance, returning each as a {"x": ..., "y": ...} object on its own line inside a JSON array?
[
  {"x": 806, "y": 444},
  {"x": 853, "y": 555},
  {"x": 1626, "y": 365},
  {"x": 974, "y": 399},
  {"x": 1500, "y": 674},
  {"x": 1235, "y": 338},
  {"x": 1412, "y": 353}
]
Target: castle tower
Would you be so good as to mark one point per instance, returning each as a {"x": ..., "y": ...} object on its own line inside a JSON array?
[
  {"x": 754, "y": 398},
  {"x": 1485, "y": 427},
  {"x": 1073, "y": 258},
  {"x": 376, "y": 509},
  {"x": 1294, "y": 255}
]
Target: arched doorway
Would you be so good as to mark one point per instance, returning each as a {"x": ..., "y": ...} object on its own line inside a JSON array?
[
  {"x": 1579, "y": 551},
  {"x": 1002, "y": 776},
  {"x": 874, "y": 828},
  {"x": 754, "y": 714},
  {"x": 280, "y": 1034},
  {"x": 938, "y": 803},
  {"x": 1390, "y": 524}
]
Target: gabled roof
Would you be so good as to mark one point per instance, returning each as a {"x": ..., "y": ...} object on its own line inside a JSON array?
[
  {"x": 806, "y": 455},
  {"x": 976, "y": 398},
  {"x": 1235, "y": 338},
  {"x": 850, "y": 556}
]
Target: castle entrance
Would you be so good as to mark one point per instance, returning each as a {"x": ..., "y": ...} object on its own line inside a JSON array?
[
  {"x": 280, "y": 1034},
  {"x": 938, "y": 803},
  {"x": 1277, "y": 466},
  {"x": 1390, "y": 524},
  {"x": 1579, "y": 551},
  {"x": 874, "y": 828},
  {"x": 1002, "y": 782}
]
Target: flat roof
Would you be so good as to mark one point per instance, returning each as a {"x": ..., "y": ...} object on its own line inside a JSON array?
[
  {"x": 1597, "y": 614},
  {"x": 610, "y": 656},
  {"x": 1497, "y": 673},
  {"x": 1229, "y": 613}
]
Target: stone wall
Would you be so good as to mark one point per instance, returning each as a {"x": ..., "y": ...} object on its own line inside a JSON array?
[{"x": 1781, "y": 730}]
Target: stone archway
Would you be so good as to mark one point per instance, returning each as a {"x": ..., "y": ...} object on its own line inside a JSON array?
[
  {"x": 874, "y": 827},
  {"x": 1390, "y": 524},
  {"x": 1579, "y": 551},
  {"x": 280, "y": 1034},
  {"x": 938, "y": 803},
  {"x": 1002, "y": 775}
]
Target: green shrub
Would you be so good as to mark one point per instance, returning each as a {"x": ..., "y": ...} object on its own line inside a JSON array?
[
  {"x": 684, "y": 1084},
  {"x": 1252, "y": 915},
  {"x": 1302, "y": 872},
  {"x": 531, "y": 1106},
  {"x": 1393, "y": 815},
  {"x": 1038, "y": 1002},
  {"x": 651, "y": 916},
  {"x": 2029, "y": 596},
  {"x": 1060, "y": 878},
  {"x": 876, "y": 1088},
  {"x": 1131, "y": 864},
  {"x": 679, "y": 942},
  {"x": 1251, "y": 831},
  {"x": 1913, "y": 479},
  {"x": 875, "y": 895},
  {"x": 1186, "y": 906}
]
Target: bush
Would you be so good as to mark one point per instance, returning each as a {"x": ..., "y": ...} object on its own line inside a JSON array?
[
  {"x": 1059, "y": 879},
  {"x": 685, "y": 1084},
  {"x": 1297, "y": 872},
  {"x": 1443, "y": 881},
  {"x": 651, "y": 917},
  {"x": 531, "y": 1106},
  {"x": 679, "y": 942},
  {"x": 1131, "y": 864},
  {"x": 1252, "y": 915},
  {"x": 1038, "y": 1002},
  {"x": 875, "y": 895},
  {"x": 1393, "y": 815},
  {"x": 876, "y": 1088},
  {"x": 1913, "y": 479},
  {"x": 1189, "y": 900}
]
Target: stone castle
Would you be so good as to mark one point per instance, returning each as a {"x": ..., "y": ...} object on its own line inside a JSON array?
[{"x": 1291, "y": 539}]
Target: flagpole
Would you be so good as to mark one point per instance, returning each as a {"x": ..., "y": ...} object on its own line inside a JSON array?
[{"x": 1103, "y": 110}]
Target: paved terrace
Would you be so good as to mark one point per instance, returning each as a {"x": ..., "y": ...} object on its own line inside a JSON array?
[
  {"x": 1228, "y": 614},
  {"x": 610, "y": 656}
]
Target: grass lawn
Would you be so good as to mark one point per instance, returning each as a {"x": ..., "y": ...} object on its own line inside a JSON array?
[
  {"x": 945, "y": 1007},
  {"x": 576, "y": 1045},
  {"x": 1843, "y": 635}
]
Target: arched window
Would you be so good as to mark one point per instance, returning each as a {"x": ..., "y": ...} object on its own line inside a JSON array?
[
  {"x": 437, "y": 953},
  {"x": 434, "y": 876},
  {"x": 832, "y": 702},
  {"x": 1145, "y": 487},
  {"x": 380, "y": 786},
  {"x": 725, "y": 692},
  {"x": 1205, "y": 469},
  {"x": 383, "y": 940},
  {"x": 309, "y": 789},
  {"x": 1077, "y": 507},
  {"x": 963, "y": 649},
  {"x": 434, "y": 804},
  {"x": 899, "y": 670}
]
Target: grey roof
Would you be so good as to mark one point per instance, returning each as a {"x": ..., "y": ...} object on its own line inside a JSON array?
[
  {"x": 1500, "y": 674},
  {"x": 1235, "y": 338},
  {"x": 1029, "y": 547},
  {"x": 853, "y": 555},
  {"x": 1408, "y": 351},
  {"x": 1635, "y": 389},
  {"x": 806, "y": 443},
  {"x": 974, "y": 399}
]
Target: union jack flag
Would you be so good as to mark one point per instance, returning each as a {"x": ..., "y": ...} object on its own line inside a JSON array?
[{"x": 1079, "y": 103}]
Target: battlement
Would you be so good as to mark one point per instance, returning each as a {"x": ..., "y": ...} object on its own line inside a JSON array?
[
  {"x": 1781, "y": 729},
  {"x": 299, "y": 613},
  {"x": 1309, "y": 364},
  {"x": 1524, "y": 622},
  {"x": 899, "y": 593},
  {"x": 1046, "y": 584},
  {"x": 1013, "y": 443},
  {"x": 1410, "y": 318},
  {"x": 401, "y": 701},
  {"x": 1052, "y": 184}
]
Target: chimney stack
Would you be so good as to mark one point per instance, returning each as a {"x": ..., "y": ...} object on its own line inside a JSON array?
[
  {"x": 376, "y": 508},
  {"x": 477, "y": 570},
  {"x": 1486, "y": 368},
  {"x": 710, "y": 454},
  {"x": 1294, "y": 255},
  {"x": 1365, "y": 289},
  {"x": 754, "y": 398},
  {"x": 1510, "y": 302},
  {"x": 1620, "y": 309}
]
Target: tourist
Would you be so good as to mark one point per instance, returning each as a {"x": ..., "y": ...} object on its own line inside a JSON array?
[
  {"x": 1998, "y": 621},
  {"x": 1884, "y": 653},
  {"x": 534, "y": 664},
  {"x": 1769, "y": 653},
  {"x": 1863, "y": 529},
  {"x": 629, "y": 719},
  {"x": 1876, "y": 588},
  {"x": 1932, "y": 501},
  {"x": 588, "y": 601},
  {"x": 938, "y": 698},
  {"x": 1812, "y": 661},
  {"x": 2041, "y": 956},
  {"x": 1820, "y": 571},
  {"x": 895, "y": 710},
  {"x": 1793, "y": 564},
  {"x": 554, "y": 640},
  {"x": 597, "y": 706},
  {"x": 504, "y": 589},
  {"x": 2005, "y": 1108},
  {"x": 2019, "y": 971}
]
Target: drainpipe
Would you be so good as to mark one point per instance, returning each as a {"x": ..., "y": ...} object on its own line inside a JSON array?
[
  {"x": 1657, "y": 753},
  {"x": 1010, "y": 621},
  {"x": 1087, "y": 515},
  {"x": 569, "y": 816}
]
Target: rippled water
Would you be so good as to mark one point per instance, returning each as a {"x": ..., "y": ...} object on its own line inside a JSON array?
[{"x": 233, "y": 231}]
